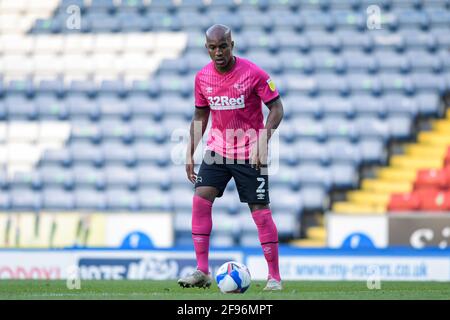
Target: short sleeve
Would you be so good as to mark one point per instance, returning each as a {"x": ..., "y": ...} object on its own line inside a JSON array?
[
  {"x": 265, "y": 87},
  {"x": 200, "y": 100}
]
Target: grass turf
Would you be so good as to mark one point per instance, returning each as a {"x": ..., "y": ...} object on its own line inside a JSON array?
[{"x": 169, "y": 290}]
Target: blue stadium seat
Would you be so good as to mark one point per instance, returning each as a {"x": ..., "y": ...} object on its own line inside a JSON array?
[
  {"x": 118, "y": 199},
  {"x": 56, "y": 157},
  {"x": 83, "y": 87},
  {"x": 257, "y": 40},
  {"x": 400, "y": 104},
  {"x": 364, "y": 83},
  {"x": 314, "y": 198},
  {"x": 343, "y": 152},
  {"x": 80, "y": 106},
  {"x": 344, "y": 176},
  {"x": 89, "y": 199},
  {"x": 400, "y": 127},
  {"x": 163, "y": 21},
  {"x": 222, "y": 240},
  {"x": 120, "y": 177},
  {"x": 131, "y": 22},
  {"x": 182, "y": 197},
  {"x": 423, "y": 81},
  {"x": 132, "y": 6},
  {"x": 428, "y": 103},
  {"x": 299, "y": 105},
  {"x": 118, "y": 153},
  {"x": 265, "y": 61},
  {"x": 300, "y": 84},
  {"x": 82, "y": 152},
  {"x": 327, "y": 83},
  {"x": 57, "y": 199},
  {"x": 253, "y": 20},
  {"x": 316, "y": 19},
  {"x": 356, "y": 60},
  {"x": 325, "y": 61},
  {"x": 351, "y": 39},
  {"x": 54, "y": 87},
  {"x": 18, "y": 107},
  {"x": 441, "y": 36},
  {"x": 170, "y": 84},
  {"x": 418, "y": 39},
  {"x": 102, "y": 6},
  {"x": 291, "y": 40},
  {"x": 438, "y": 17},
  {"x": 146, "y": 129},
  {"x": 323, "y": 40},
  {"x": 218, "y": 17},
  {"x": 113, "y": 88},
  {"x": 142, "y": 105},
  {"x": 314, "y": 175},
  {"x": 25, "y": 199},
  {"x": 112, "y": 107},
  {"x": 173, "y": 66},
  {"x": 367, "y": 105},
  {"x": 86, "y": 176},
  {"x": 338, "y": 127},
  {"x": 152, "y": 176},
  {"x": 5, "y": 201},
  {"x": 116, "y": 130},
  {"x": 336, "y": 106},
  {"x": 174, "y": 105},
  {"x": 288, "y": 225},
  {"x": 29, "y": 179},
  {"x": 391, "y": 61},
  {"x": 85, "y": 130},
  {"x": 293, "y": 61},
  {"x": 152, "y": 199},
  {"x": 407, "y": 18},
  {"x": 372, "y": 127},
  {"x": 309, "y": 128},
  {"x": 49, "y": 107},
  {"x": 285, "y": 176},
  {"x": 151, "y": 153},
  {"x": 23, "y": 87},
  {"x": 348, "y": 19},
  {"x": 103, "y": 23},
  {"x": 393, "y": 83},
  {"x": 372, "y": 151},
  {"x": 284, "y": 19},
  {"x": 55, "y": 176},
  {"x": 311, "y": 152}
]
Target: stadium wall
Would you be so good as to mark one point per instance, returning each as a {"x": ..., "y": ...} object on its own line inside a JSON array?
[{"x": 399, "y": 264}]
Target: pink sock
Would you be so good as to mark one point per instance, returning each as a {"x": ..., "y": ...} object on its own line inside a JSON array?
[
  {"x": 201, "y": 230},
  {"x": 268, "y": 236}
]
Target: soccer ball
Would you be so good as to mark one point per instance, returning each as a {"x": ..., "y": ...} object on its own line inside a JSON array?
[{"x": 233, "y": 277}]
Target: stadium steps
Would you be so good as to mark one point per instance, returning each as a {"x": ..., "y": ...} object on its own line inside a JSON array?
[{"x": 400, "y": 175}]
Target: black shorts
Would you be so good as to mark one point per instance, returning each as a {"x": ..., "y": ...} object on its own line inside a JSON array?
[{"x": 216, "y": 171}]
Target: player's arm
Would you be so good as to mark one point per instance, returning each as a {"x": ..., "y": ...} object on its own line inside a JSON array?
[
  {"x": 276, "y": 113},
  {"x": 197, "y": 129},
  {"x": 275, "y": 116}
]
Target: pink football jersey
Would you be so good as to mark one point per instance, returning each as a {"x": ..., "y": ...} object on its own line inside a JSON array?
[{"x": 235, "y": 99}]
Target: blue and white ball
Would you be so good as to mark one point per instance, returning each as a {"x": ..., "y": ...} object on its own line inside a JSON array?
[{"x": 233, "y": 277}]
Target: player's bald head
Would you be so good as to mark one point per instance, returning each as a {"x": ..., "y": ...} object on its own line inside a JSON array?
[{"x": 218, "y": 32}]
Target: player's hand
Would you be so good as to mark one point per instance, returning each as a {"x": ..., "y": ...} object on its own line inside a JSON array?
[
  {"x": 258, "y": 156},
  {"x": 191, "y": 175}
]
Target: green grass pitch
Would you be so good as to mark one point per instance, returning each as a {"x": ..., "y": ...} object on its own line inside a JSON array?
[{"x": 169, "y": 290}]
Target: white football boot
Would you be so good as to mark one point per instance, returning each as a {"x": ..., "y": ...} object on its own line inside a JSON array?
[
  {"x": 197, "y": 279},
  {"x": 273, "y": 285}
]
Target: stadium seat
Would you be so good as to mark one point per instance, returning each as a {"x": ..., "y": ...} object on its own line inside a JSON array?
[
  {"x": 57, "y": 199},
  {"x": 342, "y": 151},
  {"x": 88, "y": 177},
  {"x": 337, "y": 127},
  {"x": 54, "y": 176},
  {"x": 403, "y": 202},
  {"x": 25, "y": 199},
  {"x": 82, "y": 152},
  {"x": 434, "y": 200},
  {"x": 120, "y": 177},
  {"x": 152, "y": 199},
  {"x": 432, "y": 179},
  {"x": 118, "y": 199}
]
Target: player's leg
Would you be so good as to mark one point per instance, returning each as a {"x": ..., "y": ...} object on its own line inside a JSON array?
[
  {"x": 253, "y": 188},
  {"x": 268, "y": 237},
  {"x": 212, "y": 179}
]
